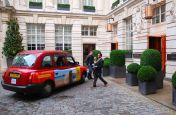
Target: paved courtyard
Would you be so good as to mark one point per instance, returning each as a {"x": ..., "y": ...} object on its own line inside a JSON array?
[{"x": 82, "y": 100}]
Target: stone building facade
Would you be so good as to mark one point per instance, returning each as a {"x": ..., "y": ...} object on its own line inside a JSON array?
[{"x": 46, "y": 26}]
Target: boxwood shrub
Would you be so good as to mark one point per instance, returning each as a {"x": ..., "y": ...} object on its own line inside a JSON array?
[
  {"x": 63, "y": 6},
  {"x": 117, "y": 57},
  {"x": 133, "y": 68},
  {"x": 151, "y": 57},
  {"x": 37, "y": 5},
  {"x": 174, "y": 80},
  {"x": 106, "y": 62},
  {"x": 96, "y": 52},
  {"x": 89, "y": 8},
  {"x": 146, "y": 73}
]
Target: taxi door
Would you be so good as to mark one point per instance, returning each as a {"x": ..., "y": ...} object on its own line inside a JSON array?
[
  {"x": 75, "y": 73},
  {"x": 61, "y": 70},
  {"x": 46, "y": 71}
]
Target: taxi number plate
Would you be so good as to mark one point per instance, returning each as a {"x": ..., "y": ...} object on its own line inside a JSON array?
[
  {"x": 13, "y": 81},
  {"x": 14, "y": 75}
]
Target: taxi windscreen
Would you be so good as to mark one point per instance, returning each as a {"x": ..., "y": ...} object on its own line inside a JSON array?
[{"x": 27, "y": 60}]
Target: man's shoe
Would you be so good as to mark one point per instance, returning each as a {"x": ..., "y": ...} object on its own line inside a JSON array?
[
  {"x": 94, "y": 86},
  {"x": 105, "y": 84}
]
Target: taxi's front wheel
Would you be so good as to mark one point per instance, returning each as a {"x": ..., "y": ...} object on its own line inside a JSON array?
[
  {"x": 46, "y": 90},
  {"x": 83, "y": 77}
]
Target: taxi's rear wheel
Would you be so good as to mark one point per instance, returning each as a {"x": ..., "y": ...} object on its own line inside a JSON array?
[{"x": 47, "y": 89}]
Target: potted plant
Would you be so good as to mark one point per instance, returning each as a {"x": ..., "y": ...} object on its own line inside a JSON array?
[
  {"x": 174, "y": 89},
  {"x": 153, "y": 58},
  {"x": 95, "y": 53},
  {"x": 35, "y": 5},
  {"x": 106, "y": 67},
  {"x": 115, "y": 4},
  {"x": 63, "y": 7},
  {"x": 131, "y": 76},
  {"x": 117, "y": 63},
  {"x": 89, "y": 8},
  {"x": 146, "y": 76},
  {"x": 13, "y": 41}
]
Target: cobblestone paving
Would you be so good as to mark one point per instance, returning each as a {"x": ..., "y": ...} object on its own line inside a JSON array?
[{"x": 82, "y": 100}]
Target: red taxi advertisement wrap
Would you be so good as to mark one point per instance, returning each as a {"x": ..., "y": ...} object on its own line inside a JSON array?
[{"x": 41, "y": 72}]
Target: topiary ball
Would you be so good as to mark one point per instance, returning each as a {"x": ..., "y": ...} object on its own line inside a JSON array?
[
  {"x": 96, "y": 52},
  {"x": 151, "y": 57},
  {"x": 117, "y": 57},
  {"x": 146, "y": 73},
  {"x": 133, "y": 68},
  {"x": 174, "y": 80},
  {"x": 106, "y": 62}
]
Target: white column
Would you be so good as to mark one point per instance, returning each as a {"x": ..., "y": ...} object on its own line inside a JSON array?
[
  {"x": 121, "y": 34},
  {"x": 170, "y": 38},
  {"x": 49, "y": 36},
  {"x": 77, "y": 46},
  {"x": 103, "y": 40}
]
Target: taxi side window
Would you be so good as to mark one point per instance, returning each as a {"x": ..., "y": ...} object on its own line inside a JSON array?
[
  {"x": 59, "y": 61},
  {"x": 47, "y": 61},
  {"x": 70, "y": 60}
]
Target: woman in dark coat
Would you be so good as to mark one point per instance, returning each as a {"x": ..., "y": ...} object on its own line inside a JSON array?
[{"x": 98, "y": 70}]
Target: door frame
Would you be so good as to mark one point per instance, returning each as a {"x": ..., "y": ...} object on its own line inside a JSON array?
[{"x": 163, "y": 49}]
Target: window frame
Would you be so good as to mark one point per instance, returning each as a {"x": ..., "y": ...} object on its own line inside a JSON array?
[
  {"x": 35, "y": 36},
  {"x": 158, "y": 13},
  {"x": 89, "y": 30},
  {"x": 65, "y": 37},
  {"x": 129, "y": 35},
  {"x": 88, "y": 3},
  {"x": 63, "y": 2}
]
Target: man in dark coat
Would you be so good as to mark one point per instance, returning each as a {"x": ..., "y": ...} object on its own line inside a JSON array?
[
  {"x": 98, "y": 70},
  {"x": 89, "y": 62}
]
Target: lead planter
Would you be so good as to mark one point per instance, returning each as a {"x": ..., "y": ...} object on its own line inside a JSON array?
[
  {"x": 159, "y": 80},
  {"x": 106, "y": 71},
  {"x": 174, "y": 96},
  {"x": 131, "y": 79},
  {"x": 147, "y": 87},
  {"x": 118, "y": 71}
]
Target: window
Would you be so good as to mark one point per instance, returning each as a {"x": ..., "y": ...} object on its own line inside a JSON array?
[
  {"x": 35, "y": 4},
  {"x": 63, "y": 37},
  {"x": 36, "y": 36},
  {"x": 59, "y": 60},
  {"x": 88, "y": 2},
  {"x": 47, "y": 61},
  {"x": 27, "y": 60},
  {"x": 63, "y": 1},
  {"x": 159, "y": 14},
  {"x": 70, "y": 60},
  {"x": 89, "y": 30},
  {"x": 129, "y": 35}
]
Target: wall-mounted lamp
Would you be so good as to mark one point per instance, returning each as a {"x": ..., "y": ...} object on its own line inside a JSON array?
[
  {"x": 149, "y": 11},
  {"x": 109, "y": 26}
]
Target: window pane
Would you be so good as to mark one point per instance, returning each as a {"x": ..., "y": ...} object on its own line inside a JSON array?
[
  {"x": 129, "y": 34},
  {"x": 47, "y": 61}
]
